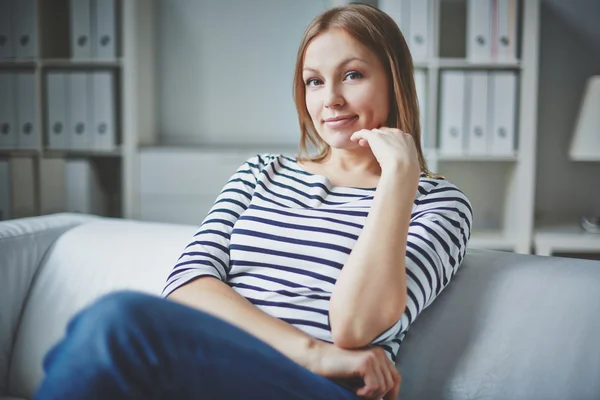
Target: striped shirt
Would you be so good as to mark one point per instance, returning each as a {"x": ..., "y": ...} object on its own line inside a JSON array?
[{"x": 279, "y": 236}]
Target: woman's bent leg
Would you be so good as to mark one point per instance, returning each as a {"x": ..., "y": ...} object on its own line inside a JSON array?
[{"x": 131, "y": 345}]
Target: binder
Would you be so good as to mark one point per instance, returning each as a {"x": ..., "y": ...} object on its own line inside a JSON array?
[
  {"x": 25, "y": 31},
  {"x": 28, "y": 131},
  {"x": 399, "y": 11},
  {"x": 81, "y": 31},
  {"x": 22, "y": 176},
  {"x": 419, "y": 42},
  {"x": 104, "y": 29},
  {"x": 421, "y": 86},
  {"x": 56, "y": 106},
  {"x": 477, "y": 113},
  {"x": 8, "y": 114},
  {"x": 452, "y": 106},
  {"x": 6, "y": 39},
  {"x": 52, "y": 186},
  {"x": 503, "y": 112},
  {"x": 103, "y": 111},
  {"x": 83, "y": 191},
  {"x": 479, "y": 13},
  {"x": 79, "y": 135},
  {"x": 505, "y": 37},
  {"x": 5, "y": 190}
]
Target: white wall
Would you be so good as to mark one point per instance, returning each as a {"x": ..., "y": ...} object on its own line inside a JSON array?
[
  {"x": 228, "y": 81},
  {"x": 569, "y": 54}
]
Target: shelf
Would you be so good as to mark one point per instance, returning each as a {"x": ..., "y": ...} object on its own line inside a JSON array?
[
  {"x": 493, "y": 240},
  {"x": 461, "y": 63},
  {"x": 565, "y": 237},
  {"x": 55, "y": 153},
  {"x": 17, "y": 64},
  {"x": 19, "y": 152},
  {"x": 69, "y": 63},
  {"x": 441, "y": 156}
]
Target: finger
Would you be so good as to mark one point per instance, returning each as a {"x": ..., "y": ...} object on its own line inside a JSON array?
[
  {"x": 393, "y": 393},
  {"x": 372, "y": 377},
  {"x": 362, "y": 134},
  {"x": 386, "y": 370}
]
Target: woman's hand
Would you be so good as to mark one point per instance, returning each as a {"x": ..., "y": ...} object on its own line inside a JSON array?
[
  {"x": 367, "y": 371},
  {"x": 394, "y": 150}
]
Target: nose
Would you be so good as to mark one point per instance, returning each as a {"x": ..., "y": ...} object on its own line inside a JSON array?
[{"x": 333, "y": 97}]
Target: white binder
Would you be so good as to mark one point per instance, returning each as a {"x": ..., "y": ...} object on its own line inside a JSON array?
[
  {"x": 81, "y": 29},
  {"x": 8, "y": 111},
  {"x": 419, "y": 42},
  {"x": 103, "y": 110},
  {"x": 56, "y": 106},
  {"x": 503, "y": 109},
  {"x": 28, "y": 131},
  {"x": 479, "y": 14},
  {"x": 421, "y": 86},
  {"x": 83, "y": 190},
  {"x": 104, "y": 29},
  {"x": 22, "y": 176},
  {"x": 506, "y": 36},
  {"x": 477, "y": 113},
  {"x": 5, "y": 190},
  {"x": 25, "y": 32},
  {"x": 452, "y": 112},
  {"x": 399, "y": 11},
  {"x": 6, "y": 39},
  {"x": 78, "y": 132},
  {"x": 52, "y": 185}
]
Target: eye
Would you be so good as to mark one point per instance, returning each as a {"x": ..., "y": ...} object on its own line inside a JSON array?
[
  {"x": 352, "y": 75},
  {"x": 313, "y": 82}
]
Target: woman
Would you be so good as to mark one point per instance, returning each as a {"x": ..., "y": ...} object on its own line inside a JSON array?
[{"x": 306, "y": 274}]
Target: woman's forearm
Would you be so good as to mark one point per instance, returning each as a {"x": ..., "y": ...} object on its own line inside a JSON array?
[
  {"x": 215, "y": 297},
  {"x": 370, "y": 294}
]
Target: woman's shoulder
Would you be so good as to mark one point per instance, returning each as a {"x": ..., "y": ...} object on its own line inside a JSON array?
[{"x": 433, "y": 187}]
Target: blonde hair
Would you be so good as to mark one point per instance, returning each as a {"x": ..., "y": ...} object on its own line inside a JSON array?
[{"x": 377, "y": 31}]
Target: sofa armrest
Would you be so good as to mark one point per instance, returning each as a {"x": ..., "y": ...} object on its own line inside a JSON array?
[{"x": 23, "y": 244}]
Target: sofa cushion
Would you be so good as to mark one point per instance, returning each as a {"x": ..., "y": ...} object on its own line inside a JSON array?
[
  {"x": 85, "y": 263},
  {"x": 23, "y": 243},
  {"x": 510, "y": 326}
]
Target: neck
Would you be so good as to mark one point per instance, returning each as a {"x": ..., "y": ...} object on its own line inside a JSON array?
[{"x": 353, "y": 161}]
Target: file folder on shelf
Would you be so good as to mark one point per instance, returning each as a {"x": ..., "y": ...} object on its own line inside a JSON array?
[
  {"x": 84, "y": 193},
  {"x": 79, "y": 133},
  {"x": 6, "y": 34},
  {"x": 81, "y": 29},
  {"x": 103, "y": 110},
  {"x": 24, "y": 29},
  {"x": 503, "y": 112},
  {"x": 420, "y": 26},
  {"x": 28, "y": 131},
  {"x": 421, "y": 87},
  {"x": 56, "y": 107},
  {"x": 23, "y": 173},
  {"x": 479, "y": 13},
  {"x": 452, "y": 103},
  {"x": 477, "y": 113},
  {"x": 5, "y": 190},
  {"x": 8, "y": 111},
  {"x": 104, "y": 29},
  {"x": 504, "y": 36}
]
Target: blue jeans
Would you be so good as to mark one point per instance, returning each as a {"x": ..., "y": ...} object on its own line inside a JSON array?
[{"x": 130, "y": 345}]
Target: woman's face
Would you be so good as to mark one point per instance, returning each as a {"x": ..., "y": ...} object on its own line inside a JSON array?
[{"x": 347, "y": 88}]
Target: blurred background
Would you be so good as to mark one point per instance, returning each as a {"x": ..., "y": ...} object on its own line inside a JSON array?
[{"x": 142, "y": 109}]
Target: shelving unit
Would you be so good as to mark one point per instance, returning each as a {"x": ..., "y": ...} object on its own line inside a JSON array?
[{"x": 44, "y": 177}]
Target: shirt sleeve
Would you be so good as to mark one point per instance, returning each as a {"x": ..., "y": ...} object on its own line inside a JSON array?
[
  {"x": 439, "y": 231},
  {"x": 207, "y": 254}
]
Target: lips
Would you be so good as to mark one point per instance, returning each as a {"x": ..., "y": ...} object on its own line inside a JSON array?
[{"x": 342, "y": 121}]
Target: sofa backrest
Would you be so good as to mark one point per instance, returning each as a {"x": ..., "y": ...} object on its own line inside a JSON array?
[
  {"x": 86, "y": 262},
  {"x": 23, "y": 244},
  {"x": 509, "y": 326}
]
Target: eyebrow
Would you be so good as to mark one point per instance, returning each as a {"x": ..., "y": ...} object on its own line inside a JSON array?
[{"x": 346, "y": 61}]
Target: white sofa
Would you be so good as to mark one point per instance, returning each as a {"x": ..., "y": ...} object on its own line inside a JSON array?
[{"x": 508, "y": 327}]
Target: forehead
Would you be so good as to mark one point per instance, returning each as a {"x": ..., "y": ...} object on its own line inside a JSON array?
[{"x": 333, "y": 46}]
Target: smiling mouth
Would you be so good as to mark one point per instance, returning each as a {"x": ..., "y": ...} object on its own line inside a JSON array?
[{"x": 340, "y": 122}]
